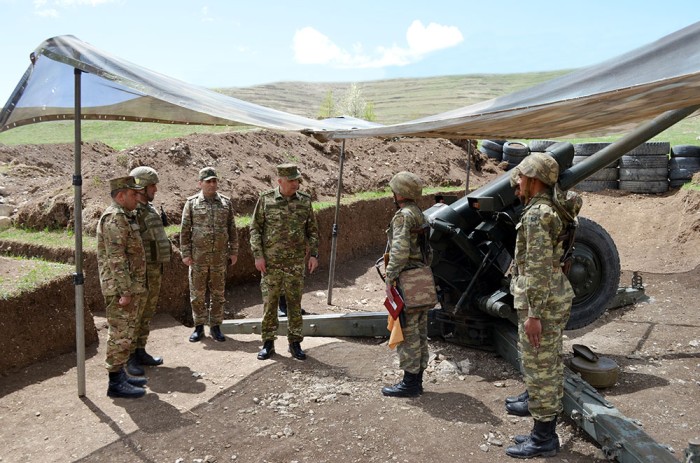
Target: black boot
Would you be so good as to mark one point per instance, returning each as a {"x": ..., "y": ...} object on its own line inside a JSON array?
[
  {"x": 518, "y": 408},
  {"x": 420, "y": 381},
  {"x": 133, "y": 366},
  {"x": 119, "y": 386},
  {"x": 216, "y": 333},
  {"x": 520, "y": 438},
  {"x": 542, "y": 442},
  {"x": 522, "y": 397},
  {"x": 147, "y": 359},
  {"x": 295, "y": 349},
  {"x": 267, "y": 350},
  {"x": 407, "y": 387},
  {"x": 198, "y": 333}
]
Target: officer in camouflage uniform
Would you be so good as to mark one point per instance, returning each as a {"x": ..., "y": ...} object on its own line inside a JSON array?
[
  {"x": 542, "y": 296},
  {"x": 404, "y": 254},
  {"x": 283, "y": 230},
  {"x": 208, "y": 241},
  {"x": 122, "y": 268},
  {"x": 157, "y": 248}
]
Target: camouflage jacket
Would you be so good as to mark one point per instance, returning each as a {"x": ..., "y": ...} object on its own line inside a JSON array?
[
  {"x": 208, "y": 231},
  {"x": 120, "y": 256},
  {"x": 283, "y": 228},
  {"x": 155, "y": 241},
  {"x": 537, "y": 279},
  {"x": 404, "y": 250}
]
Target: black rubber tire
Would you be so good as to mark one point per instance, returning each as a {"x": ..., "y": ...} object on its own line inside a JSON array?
[
  {"x": 685, "y": 151},
  {"x": 597, "y": 185},
  {"x": 651, "y": 148},
  {"x": 491, "y": 154},
  {"x": 683, "y": 168},
  {"x": 606, "y": 175},
  {"x": 655, "y": 174},
  {"x": 586, "y": 149},
  {"x": 677, "y": 183},
  {"x": 492, "y": 145},
  {"x": 612, "y": 165},
  {"x": 644, "y": 187},
  {"x": 541, "y": 145},
  {"x": 594, "y": 274},
  {"x": 516, "y": 149},
  {"x": 644, "y": 162}
]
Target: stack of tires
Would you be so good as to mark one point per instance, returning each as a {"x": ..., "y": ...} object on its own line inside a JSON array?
[
  {"x": 514, "y": 152},
  {"x": 606, "y": 178},
  {"x": 493, "y": 149},
  {"x": 541, "y": 146},
  {"x": 685, "y": 161},
  {"x": 645, "y": 168}
]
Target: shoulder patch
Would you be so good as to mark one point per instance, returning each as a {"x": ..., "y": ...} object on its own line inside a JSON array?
[{"x": 189, "y": 198}]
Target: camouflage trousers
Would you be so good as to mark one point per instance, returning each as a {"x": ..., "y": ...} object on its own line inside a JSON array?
[
  {"x": 289, "y": 282},
  {"x": 413, "y": 351},
  {"x": 121, "y": 322},
  {"x": 147, "y": 305},
  {"x": 543, "y": 368},
  {"x": 212, "y": 277}
]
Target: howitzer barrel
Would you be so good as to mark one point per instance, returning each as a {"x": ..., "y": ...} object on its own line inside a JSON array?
[{"x": 614, "y": 151}]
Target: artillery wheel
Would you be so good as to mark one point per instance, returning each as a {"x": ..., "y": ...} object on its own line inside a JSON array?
[{"x": 594, "y": 274}]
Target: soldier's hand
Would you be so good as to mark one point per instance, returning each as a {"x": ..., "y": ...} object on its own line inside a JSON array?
[
  {"x": 187, "y": 261},
  {"x": 533, "y": 330},
  {"x": 313, "y": 264},
  {"x": 124, "y": 301},
  {"x": 260, "y": 265},
  {"x": 389, "y": 296},
  {"x": 233, "y": 259}
]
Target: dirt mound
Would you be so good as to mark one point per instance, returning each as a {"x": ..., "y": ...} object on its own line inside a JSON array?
[{"x": 38, "y": 177}]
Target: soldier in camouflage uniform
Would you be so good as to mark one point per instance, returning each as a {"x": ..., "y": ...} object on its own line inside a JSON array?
[
  {"x": 404, "y": 254},
  {"x": 122, "y": 268},
  {"x": 208, "y": 242},
  {"x": 542, "y": 296},
  {"x": 283, "y": 230},
  {"x": 157, "y": 248}
]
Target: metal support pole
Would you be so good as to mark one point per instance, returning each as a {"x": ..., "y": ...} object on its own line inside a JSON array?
[
  {"x": 334, "y": 239},
  {"x": 78, "y": 278}
]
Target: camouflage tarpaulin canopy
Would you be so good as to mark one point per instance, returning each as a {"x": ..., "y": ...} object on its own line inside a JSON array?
[{"x": 630, "y": 88}]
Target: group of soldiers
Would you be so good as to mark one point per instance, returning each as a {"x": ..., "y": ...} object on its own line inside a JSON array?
[{"x": 132, "y": 247}]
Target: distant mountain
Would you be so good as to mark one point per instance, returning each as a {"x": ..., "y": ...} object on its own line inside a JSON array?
[{"x": 394, "y": 100}]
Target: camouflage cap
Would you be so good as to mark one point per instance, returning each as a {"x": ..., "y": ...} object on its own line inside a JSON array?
[
  {"x": 540, "y": 166},
  {"x": 120, "y": 183},
  {"x": 207, "y": 173},
  {"x": 288, "y": 171}
]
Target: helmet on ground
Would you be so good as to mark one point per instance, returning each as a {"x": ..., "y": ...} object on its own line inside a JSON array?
[
  {"x": 407, "y": 185},
  {"x": 144, "y": 175},
  {"x": 540, "y": 166}
]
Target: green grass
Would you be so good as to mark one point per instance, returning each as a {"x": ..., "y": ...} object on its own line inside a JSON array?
[
  {"x": 34, "y": 273},
  {"x": 49, "y": 238}
]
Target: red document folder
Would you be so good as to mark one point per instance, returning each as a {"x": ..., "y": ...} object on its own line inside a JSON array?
[{"x": 395, "y": 307}]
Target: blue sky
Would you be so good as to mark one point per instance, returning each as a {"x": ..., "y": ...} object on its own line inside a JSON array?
[{"x": 230, "y": 43}]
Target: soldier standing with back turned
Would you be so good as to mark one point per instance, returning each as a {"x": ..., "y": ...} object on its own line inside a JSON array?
[
  {"x": 122, "y": 267},
  {"x": 208, "y": 242},
  {"x": 404, "y": 254},
  {"x": 283, "y": 230},
  {"x": 157, "y": 248}
]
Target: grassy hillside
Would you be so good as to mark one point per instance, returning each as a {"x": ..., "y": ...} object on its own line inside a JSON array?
[{"x": 394, "y": 100}]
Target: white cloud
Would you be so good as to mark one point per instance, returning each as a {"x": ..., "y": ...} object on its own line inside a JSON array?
[
  {"x": 312, "y": 47},
  {"x": 44, "y": 9},
  {"x": 206, "y": 17}
]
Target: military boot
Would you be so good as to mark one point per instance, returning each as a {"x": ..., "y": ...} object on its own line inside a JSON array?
[
  {"x": 198, "y": 333},
  {"x": 409, "y": 386},
  {"x": 543, "y": 441},
  {"x": 522, "y": 397},
  {"x": 119, "y": 386},
  {"x": 267, "y": 350},
  {"x": 295, "y": 349},
  {"x": 133, "y": 366},
  {"x": 518, "y": 408},
  {"x": 420, "y": 381},
  {"x": 216, "y": 333},
  {"x": 147, "y": 359}
]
